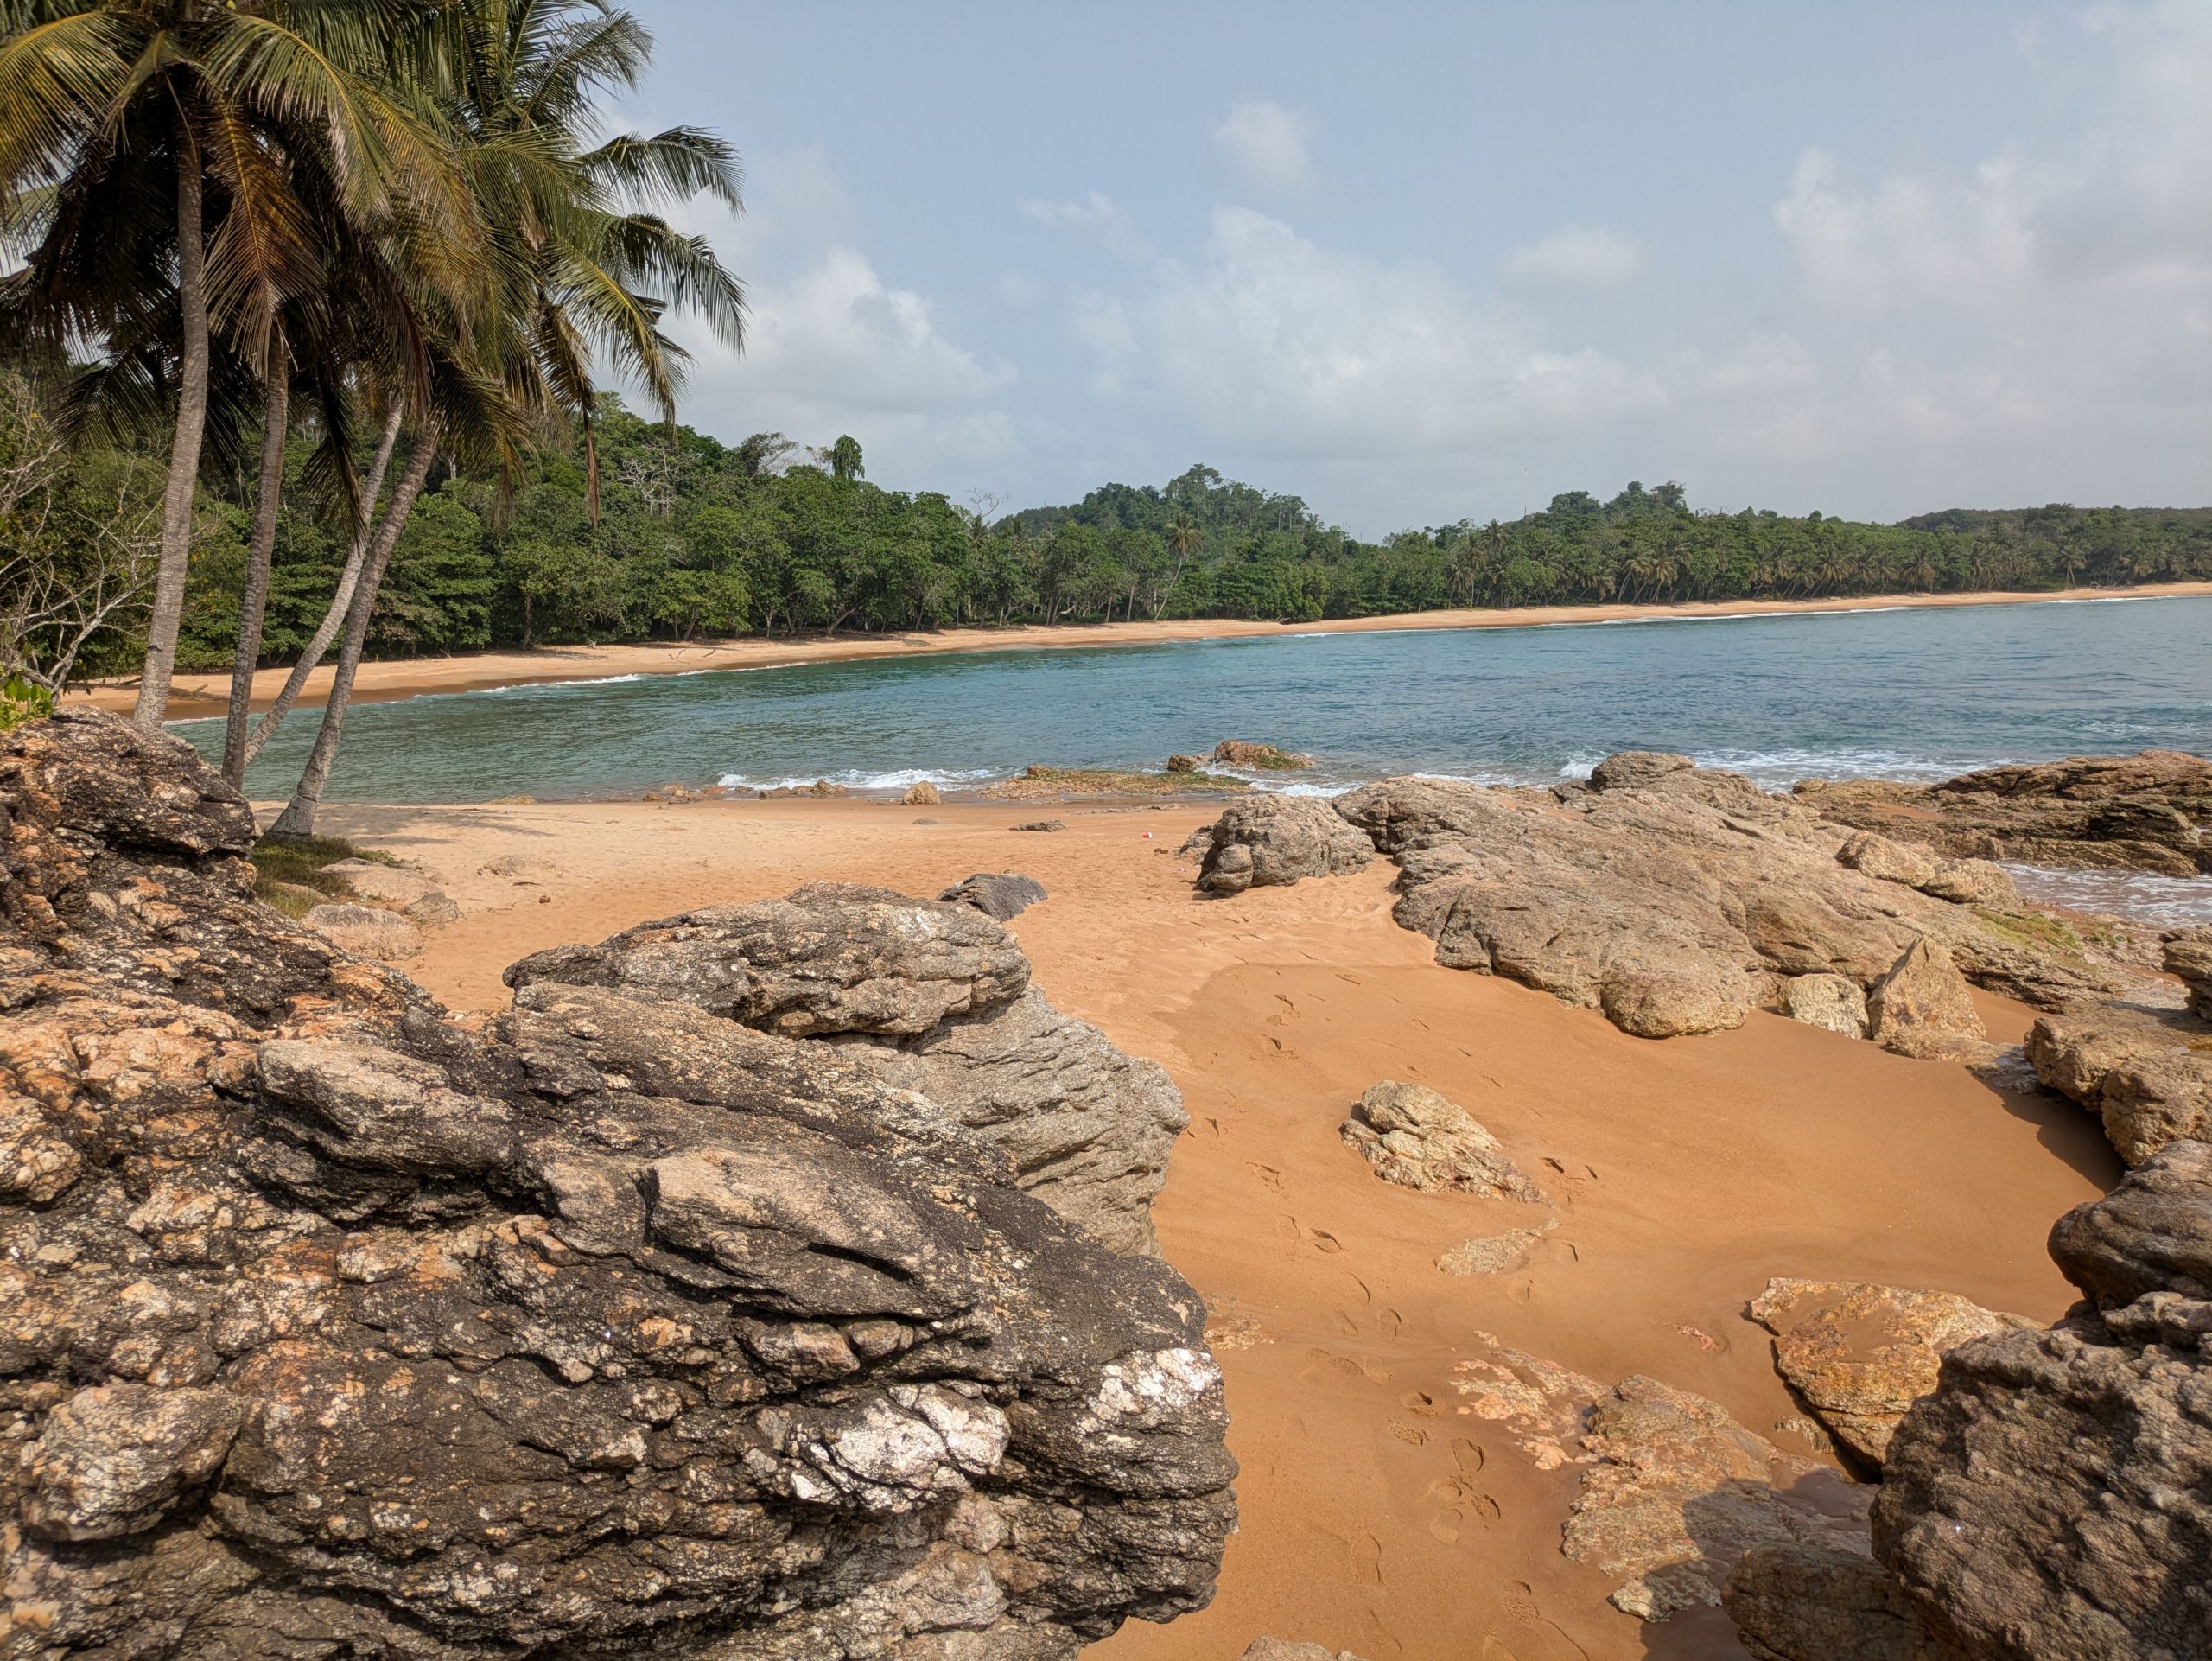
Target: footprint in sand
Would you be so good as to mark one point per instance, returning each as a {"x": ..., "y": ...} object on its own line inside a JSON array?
[
  {"x": 1419, "y": 1401},
  {"x": 1323, "y": 1240},
  {"x": 1468, "y": 1455},
  {"x": 1269, "y": 1174},
  {"x": 1366, "y": 1554},
  {"x": 1391, "y": 1322},
  {"x": 1413, "y": 1436},
  {"x": 1350, "y": 1365}
]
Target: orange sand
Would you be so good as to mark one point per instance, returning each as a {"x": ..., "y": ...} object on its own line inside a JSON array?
[
  {"x": 1378, "y": 1517},
  {"x": 205, "y": 695}
]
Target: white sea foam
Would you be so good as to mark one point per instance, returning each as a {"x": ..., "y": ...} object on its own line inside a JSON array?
[
  {"x": 900, "y": 779},
  {"x": 2172, "y": 900}
]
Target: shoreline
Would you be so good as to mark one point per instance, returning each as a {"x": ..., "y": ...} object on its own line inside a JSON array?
[{"x": 199, "y": 696}]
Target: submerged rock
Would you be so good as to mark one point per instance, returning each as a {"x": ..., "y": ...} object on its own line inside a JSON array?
[
  {"x": 1414, "y": 1137},
  {"x": 1271, "y": 840},
  {"x": 1861, "y": 1354},
  {"x": 1268, "y": 758},
  {"x": 333, "y": 1327}
]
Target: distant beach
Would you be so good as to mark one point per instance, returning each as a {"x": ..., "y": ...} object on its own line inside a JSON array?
[{"x": 198, "y": 696}]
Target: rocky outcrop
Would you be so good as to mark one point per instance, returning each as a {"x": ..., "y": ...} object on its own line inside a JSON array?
[
  {"x": 933, "y": 997},
  {"x": 1833, "y": 1002},
  {"x": 921, "y": 793},
  {"x": 1672, "y": 1491},
  {"x": 2148, "y": 812},
  {"x": 1861, "y": 1354},
  {"x": 329, "y": 1327},
  {"x": 1000, "y": 896},
  {"x": 2189, "y": 960},
  {"x": 1270, "y": 841},
  {"x": 1266, "y": 758},
  {"x": 365, "y": 931},
  {"x": 2145, "y": 1071},
  {"x": 1675, "y": 897},
  {"x": 1416, "y": 1138},
  {"x": 2046, "y": 1499}
]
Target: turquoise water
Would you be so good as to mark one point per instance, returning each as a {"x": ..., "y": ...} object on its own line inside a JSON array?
[{"x": 1905, "y": 694}]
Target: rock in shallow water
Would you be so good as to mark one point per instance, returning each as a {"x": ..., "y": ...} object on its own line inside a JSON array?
[{"x": 335, "y": 1328}]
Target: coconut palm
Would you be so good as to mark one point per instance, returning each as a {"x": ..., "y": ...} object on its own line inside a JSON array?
[{"x": 149, "y": 161}]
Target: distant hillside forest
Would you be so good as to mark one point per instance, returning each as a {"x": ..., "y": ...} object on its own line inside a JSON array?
[{"x": 691, "y": 537}]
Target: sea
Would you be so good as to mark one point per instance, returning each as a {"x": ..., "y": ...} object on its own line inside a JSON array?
[{"x": 1893, "y": 692}]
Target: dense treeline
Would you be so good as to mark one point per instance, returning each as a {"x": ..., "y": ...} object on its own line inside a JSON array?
[{"x": 694, "y": 537}]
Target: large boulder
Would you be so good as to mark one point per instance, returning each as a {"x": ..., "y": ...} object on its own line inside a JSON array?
[
  {"x": 2149, "y": 811},
  {"x": 934, "y": 997},
  {"x": 1924, "y": 1008},
  {"x": 2047, "y": 1497},
  {"x": 1000, "y": 896},
  {"x": 1676, "y": 898},
  {"x": 330, "y": 1327},
  {"x": 1267, "y": 841},
  {"x": 1861, "y": 1354},
  {"x": 2145, "y": 1071}
]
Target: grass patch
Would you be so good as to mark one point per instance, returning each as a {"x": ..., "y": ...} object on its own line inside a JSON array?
[
  {"x": 292, "y": 875},
  {"x": 2031, "y": 928}
]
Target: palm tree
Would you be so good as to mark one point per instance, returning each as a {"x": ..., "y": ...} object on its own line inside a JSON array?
[
  {"x": 148, "y": 158},
  {"x": 580, "y": 269},
  {"x": 1184, "y": 539}
]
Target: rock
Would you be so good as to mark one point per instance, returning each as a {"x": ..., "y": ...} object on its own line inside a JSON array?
[
  {"x": 1861, "y": 1354},
  {"x": 2147, "y": 811},
  {"x": 933, "y": 997},
  {"x": 921, "y": 793},
  {"x": 333, "y": 1327},
  {"x": 1495, "y": 1253},
  {"x": 366, "y": 931},
  {"x": 1833, "y": 1001},
  {"x": 394, "y": 885},
  {"x": 1974, "y": 883},
  {"x": 1276, "y": 1649},
  {"x": 2046, "y": 1499},
  {"x": 1000, "y": 896},
  {"x": 1674, "y": 1492},
  {"x": 2146, "y": 1073},
  {"x": 1924, "y": 1007},
  {"x": 2189, "y": 959},
  {"x": 1184, "y": 763},
  {"x": 1795, "y": 1602},
  {"x": 1042, "y": 824},
  {"x": 819, "y": 787},
  {"x": 1890, "y": 861},
  {"x": 432, "y": 910},
  {"x": 1414, "y": 1137},
  {"x": 1672, "y": 897},
  {"x": 1266, "y": 758},
  {"x": 1631, "y": 769},
  {"x": 1268, "y": 841}
]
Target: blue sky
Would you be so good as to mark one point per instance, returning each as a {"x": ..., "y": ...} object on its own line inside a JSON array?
[{"x": 1421, "y": 262}]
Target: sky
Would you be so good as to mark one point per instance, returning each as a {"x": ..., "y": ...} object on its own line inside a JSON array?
[{"x": 1417, "y": 263}]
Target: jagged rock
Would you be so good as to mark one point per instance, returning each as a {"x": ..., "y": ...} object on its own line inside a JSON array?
[
  {"x": 2189, "y": 959},
  {"x": 1266, "y": 841},
  {"x": 2146, "y": 1073},
  {"x": 2048, "y": 1497},
  {"x": 1671, "y": 896},
  {"x": 1674, "y": 1491},
  {"x": 1000, "y": 896},
  {"x": 1793, "y": 1601},
  {"x": 1861, "y": 1354},
  {"x": 1237, "y": 753},
  {"x": 921, "y": 793},
  {"x": 1924, "y": 1007},
  {"x": 1832, "y": 1002},
  {"x": 1414, "y": 1137},
  {"x": 2147, "y": 811},
  {"x": 366, "y": 931},
  {"x": 1276, "y": 1649},
  {"x": 934, "y": 997},
  {"x": 1184, "y": 763},
  {"x": 328, "y": 1326}
]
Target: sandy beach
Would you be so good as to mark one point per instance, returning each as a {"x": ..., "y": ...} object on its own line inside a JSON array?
[
  {"x": 1378, "y": 1514},
  {"x": 199, "y": 695}
]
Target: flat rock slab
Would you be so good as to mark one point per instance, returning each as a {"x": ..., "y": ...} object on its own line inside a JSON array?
[{"x": 366, "y": 931}]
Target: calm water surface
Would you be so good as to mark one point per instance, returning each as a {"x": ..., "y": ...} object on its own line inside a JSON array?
[{"x": 1896, "y": 694}]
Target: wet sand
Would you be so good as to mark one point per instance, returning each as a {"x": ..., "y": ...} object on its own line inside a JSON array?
[
  {"x": 1377, "y": 1516},
  {"x": 199, "y": 695}
]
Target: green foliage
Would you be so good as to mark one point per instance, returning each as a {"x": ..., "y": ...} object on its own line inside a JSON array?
[
  {"x": 23, "y": 699},
  {"x": 292, "y": 873}
]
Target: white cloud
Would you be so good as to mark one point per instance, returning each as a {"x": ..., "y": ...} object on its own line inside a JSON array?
[
  {"x": 1268, "y": 145},
  {"x": 1588, "y": 257}
]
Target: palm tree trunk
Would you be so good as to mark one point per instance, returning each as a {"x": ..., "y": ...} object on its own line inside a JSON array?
[
  {"x": 297, "y": 819},
  {"x": 184, "y": 449},
  {"x": 341, "y": 603},
  {"x": 253, "y": 605}
]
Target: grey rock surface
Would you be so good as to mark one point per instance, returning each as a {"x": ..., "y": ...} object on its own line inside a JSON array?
[
  {"x": 1272, "y": 840},
  {"x": 331, "y": 1327},
  {"x": 1000, "y": 896},
  {"x": 1418, "y": 1139}
]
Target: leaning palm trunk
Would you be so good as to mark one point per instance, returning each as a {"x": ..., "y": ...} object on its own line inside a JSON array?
[
  {"x": 340, "y": 608},
  {"x": 254, "y": 604},
  {"x": 184, "y": 450},
  {"x": 297, "y": 819}
]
